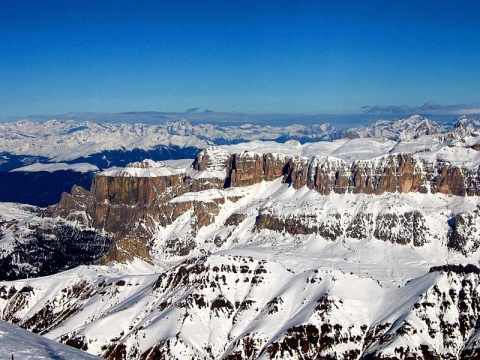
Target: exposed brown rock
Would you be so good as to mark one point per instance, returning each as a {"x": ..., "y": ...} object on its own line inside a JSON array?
[
  {"x": 133, "y": 190},
  {"x": 412, "y": 225},
  {"x": 464, "y": 234},
  {"x": 310, "y": 342},
  {"x": 393, "y": 173},
  {"x": 300, "y": 225},
  {"x": 360, "y": 227},
  {"x": 180, "y": 247},
  {"x": 235, "y": 219},
  {"x": 451, "y": 181},
  {"x": 457, "y": 269},
  {"x": 116, "y": 352},
  {"x": 127, "y": 249},
  {"x": 76, "y": 342},
  {"x": 252, "y": 168}
]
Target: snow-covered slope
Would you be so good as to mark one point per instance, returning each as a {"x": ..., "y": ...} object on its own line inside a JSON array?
[
  {"x": 250, "y": 292},
  {"x": 24, "y": 345},
  {"x": 249, "y": 304},
  {"x": 403, "y": 129},
  {"x": 80, "y": 167}
]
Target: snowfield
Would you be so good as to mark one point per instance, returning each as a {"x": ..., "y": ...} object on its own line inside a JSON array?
[
  {"x": 81, "y": 167},
  {"x": 24, "y": 345}
]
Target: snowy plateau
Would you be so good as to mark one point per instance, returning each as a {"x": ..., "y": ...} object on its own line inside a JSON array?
[{"x": 356, "y": 244}]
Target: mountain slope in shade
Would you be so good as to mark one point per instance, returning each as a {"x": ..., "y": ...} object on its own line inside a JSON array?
[
  {"x": 31, "y": 245},
  {"x": 24, "y": 345}
]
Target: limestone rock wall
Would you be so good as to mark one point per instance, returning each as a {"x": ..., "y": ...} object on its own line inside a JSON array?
[
  {"x": 118, "y": 204},
  {"x": 393, "y": 173},
  {"x": 134, "y": 190},
  {"x": 251, "y": 168}
]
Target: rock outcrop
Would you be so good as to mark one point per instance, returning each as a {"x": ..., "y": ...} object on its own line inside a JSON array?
[
  {"x": 392, "y": 173},
  {"x": 465, "y": 233}
]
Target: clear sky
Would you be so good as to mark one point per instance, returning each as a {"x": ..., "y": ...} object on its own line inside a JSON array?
[{"x": 247, "y": 56}]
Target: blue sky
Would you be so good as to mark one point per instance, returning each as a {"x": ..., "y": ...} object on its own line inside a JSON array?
[{"x": 245, "y": 56}]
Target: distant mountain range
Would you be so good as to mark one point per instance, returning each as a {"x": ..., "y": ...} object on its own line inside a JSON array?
[{"x": 72, "y": 141}]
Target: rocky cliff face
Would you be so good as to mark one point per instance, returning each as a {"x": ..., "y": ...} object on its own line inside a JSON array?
[
  {"x": 132, "y": 207},
  {"x": 393, "y": 173}
]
